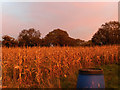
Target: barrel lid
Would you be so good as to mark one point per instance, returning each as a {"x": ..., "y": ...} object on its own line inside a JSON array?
[{"x": 91, "y": 71}]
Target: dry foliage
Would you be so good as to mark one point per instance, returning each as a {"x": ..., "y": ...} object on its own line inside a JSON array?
[{"x": 47, "y": 67}]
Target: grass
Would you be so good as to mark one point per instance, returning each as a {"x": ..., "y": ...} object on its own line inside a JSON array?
[{"x": 111, "y": 75}]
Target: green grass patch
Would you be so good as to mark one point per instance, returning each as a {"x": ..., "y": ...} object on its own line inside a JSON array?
[{"x": 111, "y": 75}]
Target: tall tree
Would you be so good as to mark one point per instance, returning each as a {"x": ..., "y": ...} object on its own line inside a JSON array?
[
  {"x": 9, "y": 41},
  {"x": 109, "y": 33},
  {"x": 29, "y": 37},
  {"x": 61, "y": 38},
  {"x": 56, "y": 37}
]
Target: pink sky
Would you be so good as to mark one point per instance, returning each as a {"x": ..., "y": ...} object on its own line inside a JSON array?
[{"x": 80, "y": 20}]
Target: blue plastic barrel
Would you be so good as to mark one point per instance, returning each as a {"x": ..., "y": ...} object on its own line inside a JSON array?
[{"x": 91, "y": 78}]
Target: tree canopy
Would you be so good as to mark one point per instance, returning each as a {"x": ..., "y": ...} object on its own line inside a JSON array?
[
  {"x": 60, "y": 37},
  {"x": 29, "y": 37},
  {"x": 56, "y": 37},
  {"x": 109, "y": 33},
  {"x": 9, "y": 41}
]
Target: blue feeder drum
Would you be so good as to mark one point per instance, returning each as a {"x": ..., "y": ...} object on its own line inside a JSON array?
[{"x": 91, "y": 78}]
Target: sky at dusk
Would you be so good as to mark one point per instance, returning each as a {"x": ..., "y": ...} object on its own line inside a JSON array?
[{"x": 80, "y": 19}]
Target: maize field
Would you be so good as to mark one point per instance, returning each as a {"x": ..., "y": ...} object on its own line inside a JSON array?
[{"x": 51, "y": 67}]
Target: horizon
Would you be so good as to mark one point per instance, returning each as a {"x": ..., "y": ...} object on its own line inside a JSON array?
[{"x": 80, "y": 20}]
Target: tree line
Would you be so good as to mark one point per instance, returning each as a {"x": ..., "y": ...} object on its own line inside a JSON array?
[{"x": 108, "y": 33}]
